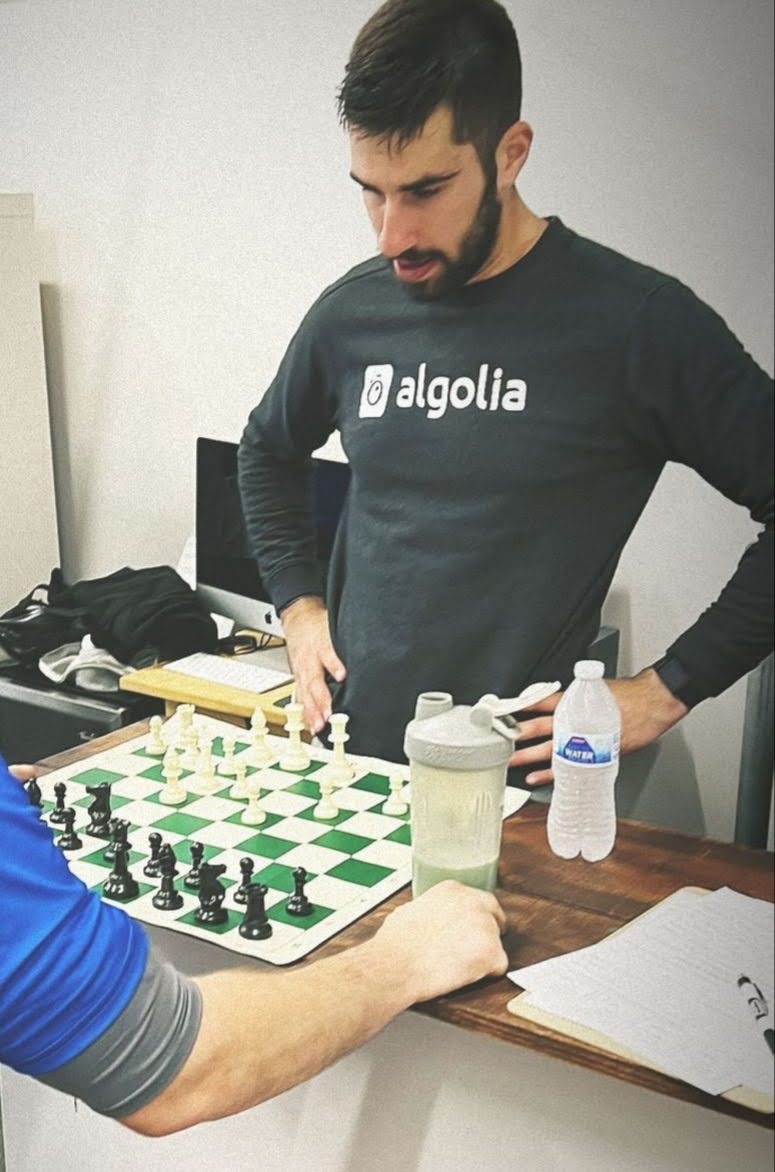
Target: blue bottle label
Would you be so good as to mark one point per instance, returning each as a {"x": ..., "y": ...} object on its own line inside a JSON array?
[{"x": 587, "y": 749}]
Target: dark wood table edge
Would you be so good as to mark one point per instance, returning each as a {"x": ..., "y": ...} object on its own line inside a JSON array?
[{"x": 505, "y": 1027}]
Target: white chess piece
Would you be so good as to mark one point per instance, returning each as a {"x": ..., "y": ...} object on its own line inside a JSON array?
[
  {"x": 396, "y": 804},
  {"x": 227, "y": 767},
  {"x": 295, "y": 758},
  {"x": 326, "y": 807},
  {"x": 155, "y": 746},
  {"x": 190, "y": 756},
  {"x": 339, "y": 769},
  {"x": 260, "y": 753},
  {"x": 185, "y": 715},
  {"x": 239, "y": 790},
  {"x": 254, "y": 813},
  {"x": 173, "y": 793},
  {"x": 205, "y": 781}
]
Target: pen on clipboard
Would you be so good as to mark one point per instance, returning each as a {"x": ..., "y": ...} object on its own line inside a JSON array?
[{"x": 758, "y": 1003}]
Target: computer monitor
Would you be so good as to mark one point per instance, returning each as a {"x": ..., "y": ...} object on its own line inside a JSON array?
[{"x": 227, "y": 578}]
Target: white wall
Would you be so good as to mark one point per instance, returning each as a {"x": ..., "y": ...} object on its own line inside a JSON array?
[{"x": 192, "y": 199}]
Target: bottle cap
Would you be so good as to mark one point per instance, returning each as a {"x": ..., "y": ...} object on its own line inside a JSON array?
[{"x": 589, "y": 669}]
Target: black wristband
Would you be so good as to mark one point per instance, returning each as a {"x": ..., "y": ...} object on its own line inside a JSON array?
[{"x": 677, "y": 680}]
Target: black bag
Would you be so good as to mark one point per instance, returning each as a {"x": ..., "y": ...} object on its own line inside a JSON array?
[
  {"x": 132, "y": 612},
  {"x": 34, "y": 625}
]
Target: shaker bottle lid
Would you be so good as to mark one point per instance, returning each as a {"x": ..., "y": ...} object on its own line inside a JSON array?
[{"x": 467, "y": 737}]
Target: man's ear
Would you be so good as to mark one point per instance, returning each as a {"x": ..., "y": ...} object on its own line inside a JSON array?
[{"x": 511, "y": 154}]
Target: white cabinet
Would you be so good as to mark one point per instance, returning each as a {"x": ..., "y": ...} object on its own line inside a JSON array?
[{"x": 29, "y": 544}]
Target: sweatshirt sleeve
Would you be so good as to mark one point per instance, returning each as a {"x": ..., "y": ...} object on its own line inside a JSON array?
[
  {"x": 296, "y": 416},
  {"x": 699, "y": 399}
]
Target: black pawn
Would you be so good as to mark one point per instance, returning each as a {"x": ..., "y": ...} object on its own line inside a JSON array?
[
  {"x": 68, "y": 839},
  {"x": 298, "y": 904},
  {"x": 57, "y": 815},
  {"x": 152, "y": 867},
  {"x": 167, "y": 898},
  {"x": 211, "y": 895},
  {"x": 191, "y": 880},
  {"x": 255, "y": 925},
  {"x": 246, "y": 870},
  {"x": 119, "y": 883},
  {"x": 119, "y": 830},
  {"x": 33, "y": 793}
]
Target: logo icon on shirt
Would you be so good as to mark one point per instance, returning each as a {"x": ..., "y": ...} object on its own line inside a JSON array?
[{"x": 377, "y": 382}]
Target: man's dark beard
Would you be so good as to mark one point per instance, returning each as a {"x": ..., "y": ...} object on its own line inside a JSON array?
[{"x": 477, "y": 245}]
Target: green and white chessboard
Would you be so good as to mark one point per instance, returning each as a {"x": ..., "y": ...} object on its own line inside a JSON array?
[{"x": 354, "y": 861}]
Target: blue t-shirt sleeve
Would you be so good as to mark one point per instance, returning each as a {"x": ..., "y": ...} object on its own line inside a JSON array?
[{"x": 69, "y": 963}]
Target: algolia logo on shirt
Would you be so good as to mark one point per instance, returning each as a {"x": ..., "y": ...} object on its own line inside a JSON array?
[{"x": 488, "y": 391}]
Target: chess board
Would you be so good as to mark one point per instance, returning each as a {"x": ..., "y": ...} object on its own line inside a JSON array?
[{"x": 354, "y": 861}]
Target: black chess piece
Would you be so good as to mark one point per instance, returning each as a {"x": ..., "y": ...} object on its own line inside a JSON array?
[
  {"x": 167, "y": 898},
  {"x": 298, "y": 904},
  {"x": 68, "y": 839},
  {"x": 246, "y": 868},
  {"x": 255, "y": 925},
  {"x": 120, "y": 884},
  {"x": 211, "y": 895},
  {"x": 57, "y": 815},
  {"x": 33, "y": 793},
  {"x": 152, "y": 866},
  {"x": 119, "y": 830},
  {"x": 191, "y": 880},
  {"x": 99, "y": 810},
  {"x": 167, "y": 852}
]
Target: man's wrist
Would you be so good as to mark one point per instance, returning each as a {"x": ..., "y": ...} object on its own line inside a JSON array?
[
  {"x": 677, "y": 680},
  {"x": 302, "y": 602}
]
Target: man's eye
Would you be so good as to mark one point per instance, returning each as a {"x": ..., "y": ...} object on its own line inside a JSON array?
[{"x": 427, "y": 192}]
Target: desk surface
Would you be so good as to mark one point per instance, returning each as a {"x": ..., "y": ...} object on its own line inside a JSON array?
[{"x": 553, "y": 906}]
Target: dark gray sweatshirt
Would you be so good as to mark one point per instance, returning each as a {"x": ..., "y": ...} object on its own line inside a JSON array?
[{"x": 503, "y": 443}]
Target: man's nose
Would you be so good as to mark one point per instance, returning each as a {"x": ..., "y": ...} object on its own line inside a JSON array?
[{"x": 397, "y": 231}]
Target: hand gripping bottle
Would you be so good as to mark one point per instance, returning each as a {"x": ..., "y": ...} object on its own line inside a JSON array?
[{"x": 585, "y": 762}]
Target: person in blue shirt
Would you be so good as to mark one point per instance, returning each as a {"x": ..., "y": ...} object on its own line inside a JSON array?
[{"x": 87, "y": 1007}]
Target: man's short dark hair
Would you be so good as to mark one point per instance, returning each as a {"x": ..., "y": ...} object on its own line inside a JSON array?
[{"x": 412, "y": 56}]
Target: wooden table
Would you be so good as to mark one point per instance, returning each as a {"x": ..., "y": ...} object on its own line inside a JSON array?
[
  {"x": 553, "y": 906},
  {"x": 218, "y": 700}
]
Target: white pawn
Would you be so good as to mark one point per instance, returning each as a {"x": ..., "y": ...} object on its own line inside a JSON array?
[
  {"x": 396, "y": 803},
  {"x": 173, "y": 793},
  {"x": 260, "y": 752},
  {"x": 326, "y": 807},
  {"x": 190, "y": 756},
  {"x": 295, "y": 757},
  {"x": 155, "y": 746},
  {"x": 239, "y": 790},
  {"x": 227, "y": 767},
  {"x": 254, "y": 813}
]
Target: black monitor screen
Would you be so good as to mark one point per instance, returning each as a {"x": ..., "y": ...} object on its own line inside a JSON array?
[{"x": 223, "y": 558}]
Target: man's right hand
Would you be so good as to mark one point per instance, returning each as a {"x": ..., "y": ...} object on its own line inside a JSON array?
[
  {"x": 444, "y": 939},
  {"x": 311, "y": 655}
]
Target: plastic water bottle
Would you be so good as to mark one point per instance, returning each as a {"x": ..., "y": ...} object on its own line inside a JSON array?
[{"x": 585, "y": 762}]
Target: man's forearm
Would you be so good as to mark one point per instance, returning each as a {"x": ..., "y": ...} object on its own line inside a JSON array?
[{"x": 261, "y": 1034}]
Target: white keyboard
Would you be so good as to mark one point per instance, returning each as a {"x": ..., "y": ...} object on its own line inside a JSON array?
[{"x": 218, "y": 669}]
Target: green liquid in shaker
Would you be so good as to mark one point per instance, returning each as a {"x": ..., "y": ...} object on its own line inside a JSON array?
[{"x": 427, "y": 874}]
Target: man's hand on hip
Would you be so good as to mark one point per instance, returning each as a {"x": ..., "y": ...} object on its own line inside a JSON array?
[
  {"x": 647, "y": 706},
  {"x": 311, "y": 655}
]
